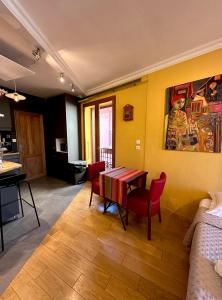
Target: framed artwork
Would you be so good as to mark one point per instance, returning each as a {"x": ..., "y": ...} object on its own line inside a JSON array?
[
  {"x": 193, "y": 116},
  {"x": 128, "y": 112}
]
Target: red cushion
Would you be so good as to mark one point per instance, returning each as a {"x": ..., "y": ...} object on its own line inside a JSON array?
[
  {"x": 137, "y": 201},
  {"x": 96, "y": 186},
  {"x": 95, "y": 168}
]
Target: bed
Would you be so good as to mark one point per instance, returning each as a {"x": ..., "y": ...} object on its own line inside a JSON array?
[{"x": 205, "y": 239}]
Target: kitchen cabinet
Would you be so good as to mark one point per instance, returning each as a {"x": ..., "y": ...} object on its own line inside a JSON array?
[
  {"x": 9, "y": 195},
  {"x": 5, "y": 122},
  {"x": 61, "y": 123},
  {"x": 10, "y": 205}
]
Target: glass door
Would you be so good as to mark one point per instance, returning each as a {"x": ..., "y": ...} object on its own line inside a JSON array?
[
  {"x": 99, "y": 131},
  {"x": 105, "y": 133},
  {"x": 89, "y": 126}
]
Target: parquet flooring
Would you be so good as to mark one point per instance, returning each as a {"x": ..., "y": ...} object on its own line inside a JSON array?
[{"x": 87, "y": 255}]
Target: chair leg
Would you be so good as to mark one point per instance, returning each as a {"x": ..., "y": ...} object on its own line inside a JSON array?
[
  {"x": 20, "y": 199},
  {"x": 149, "y": 221},
  {"x": 1, "y": 225},
  {"x": 149, "y": 228},
  {"x": 90, "y": 201},
  {"x": 127, "y": 213},
  {"x": 106, "y": 206},
  {"x": 33, "y": 202},
  {"x": 121, "y": 217},
  {"x": 159, "y": 214},
  {"x": 104, "y": 211}
]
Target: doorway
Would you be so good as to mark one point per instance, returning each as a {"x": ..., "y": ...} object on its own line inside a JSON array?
[
  {"x": 30, "y": 140},
  {"x": 99, "y": 131}
]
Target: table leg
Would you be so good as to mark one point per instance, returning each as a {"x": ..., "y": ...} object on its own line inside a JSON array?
[
  {"x": 121, "y": 216},
  {"x": 104, "y": 211}
]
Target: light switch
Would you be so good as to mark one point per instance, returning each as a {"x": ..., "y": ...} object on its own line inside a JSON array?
[
  {"x": 137, "y": 142},
  {"x": 137, "y": 147}
]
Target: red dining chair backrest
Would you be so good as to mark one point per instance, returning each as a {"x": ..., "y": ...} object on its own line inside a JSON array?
[
  {"x": 94, "y": 169},
  {"x": 156, "y": 190}
]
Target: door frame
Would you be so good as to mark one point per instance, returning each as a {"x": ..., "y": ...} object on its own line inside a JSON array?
[{"x": 96, "y": 103}]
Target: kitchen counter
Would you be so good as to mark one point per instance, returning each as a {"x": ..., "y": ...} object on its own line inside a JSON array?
[
  {"x": 9, "y": 166},
  {"x": 10, "y": 153}
]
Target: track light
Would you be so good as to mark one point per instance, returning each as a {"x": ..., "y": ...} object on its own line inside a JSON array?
[
  {"x": 36, "y": 54},
  {"x": 61, "y": 77}
]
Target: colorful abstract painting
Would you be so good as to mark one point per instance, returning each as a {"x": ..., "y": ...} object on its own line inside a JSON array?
[{"x": 193, "y": 116}]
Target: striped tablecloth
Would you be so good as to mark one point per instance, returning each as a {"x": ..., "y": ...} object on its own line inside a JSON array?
[{"x": 113, "y": 183}]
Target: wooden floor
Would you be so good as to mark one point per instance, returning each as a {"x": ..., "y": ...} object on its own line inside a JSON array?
[{"x": 87, "y": 255}]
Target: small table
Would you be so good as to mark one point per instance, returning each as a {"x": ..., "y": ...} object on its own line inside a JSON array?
[{"x": 114, "y": 185}]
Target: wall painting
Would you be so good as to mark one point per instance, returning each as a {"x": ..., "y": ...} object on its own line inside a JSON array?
[{"x": 193, "y": 116}]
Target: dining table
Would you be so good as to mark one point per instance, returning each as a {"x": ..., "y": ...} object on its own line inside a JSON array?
[{"x": 115, "y": 184}]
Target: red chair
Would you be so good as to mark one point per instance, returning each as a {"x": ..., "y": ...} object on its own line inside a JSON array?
[
  {"x": 146, "y": 203},
  {"x": 93, "y": 175}
]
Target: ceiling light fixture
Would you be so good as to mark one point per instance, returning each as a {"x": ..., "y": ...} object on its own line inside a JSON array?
[
  {"x": 72, "y": 88},
  {"x": 2, "y": 92},
  {"x": 15, "y": 96},
  {"x": 61, "y": 77}
]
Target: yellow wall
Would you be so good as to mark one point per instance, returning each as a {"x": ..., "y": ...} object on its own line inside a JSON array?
[
  {"x": 128, "y": 131},
  {"x": 88, "y": 137},
  {"x": 190, "y": 175}
]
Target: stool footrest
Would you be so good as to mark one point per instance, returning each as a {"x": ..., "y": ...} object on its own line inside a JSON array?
[{"x": 27, "y": 203}]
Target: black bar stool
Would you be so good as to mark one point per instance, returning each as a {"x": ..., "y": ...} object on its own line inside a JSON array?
[{"x": 10, "y": 181}]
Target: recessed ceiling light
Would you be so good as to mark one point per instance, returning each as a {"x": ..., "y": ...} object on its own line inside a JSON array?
[{"x": 61, "y": 77}]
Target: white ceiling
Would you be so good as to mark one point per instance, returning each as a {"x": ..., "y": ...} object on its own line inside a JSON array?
[
  {"x": 101, "y": 43},
  {"x": 11, "y": 70},
  {"x": 17, "y": 44}
]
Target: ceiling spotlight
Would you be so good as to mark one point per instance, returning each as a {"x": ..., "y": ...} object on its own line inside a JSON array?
[
  {"x": 61, "y": 77},
  {"x": 72, "y": 88}
]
